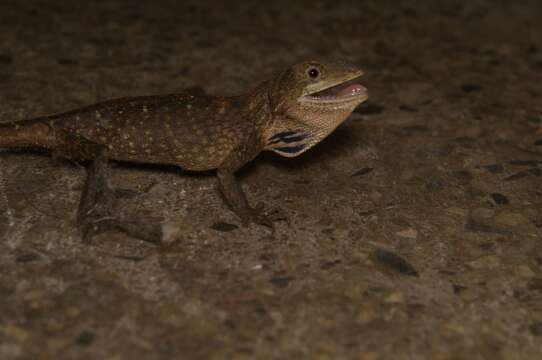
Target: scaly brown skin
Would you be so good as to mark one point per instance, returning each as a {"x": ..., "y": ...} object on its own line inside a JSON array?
[{"x": 287, "y": 114}]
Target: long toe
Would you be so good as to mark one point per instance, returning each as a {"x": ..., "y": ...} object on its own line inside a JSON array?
[{"x": 276, "y": 214}]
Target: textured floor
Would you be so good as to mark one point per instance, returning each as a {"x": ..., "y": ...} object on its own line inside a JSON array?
[{"x": 415, "y": 229}]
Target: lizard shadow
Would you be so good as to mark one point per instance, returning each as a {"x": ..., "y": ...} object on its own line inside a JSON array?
[
  {"x": 124, "y": 165},
  {"x": 164, "y": 168},
  {"x": 332, "y": 146}
]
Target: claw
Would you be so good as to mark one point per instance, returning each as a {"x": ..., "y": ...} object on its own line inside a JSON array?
[
  {"x": 91, "y": 226},
  {"x": 261, "y": 216}
]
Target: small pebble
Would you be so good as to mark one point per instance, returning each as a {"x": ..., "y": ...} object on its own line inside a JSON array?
[
  {"x": 458, "y": 288},
  {"x": 511, "y": 219},
  {"x": 330, "y": 264},
  {"x": 536, "y": 328},
  {"x": 535, "y": 284},
  {"x": 525, "y": 162},
  {"x": 468, "y": 88},
  {"x": 500, "y": 199},
  {"x": 524, "y": 271},
  {"x": 363, "y": 171},
  {"x": 280, "y": 282},
  {"x": 407, "y": 108},
  {"x": 171, "y": 231},
  {"x": 15, "y": 332},
  {"x": 85, "y": 338},
  {"x": 395, "y": 298},
  {"x": 494, "y": 168},
  {"x": 223, "y": 226},
  {"x": 464, "y": 176},
  {"x": 487, "y": 246},
  {"x": 517, "y": 176},
  {"x": 535, "y": 119},
  {"x": 483, "y": 213},
  {"x": 6, "y": 59},
  {"x": 407, "y": 234},
  {"x": 229, "y": 323},
  {"x": 28, "y": 257},
  {"x": 67, "y": 61},
  {"x": 485, "y": 262},
  {"x": 434, "y": 184},
  {"x": 476, "y": 226},
  {"x": 394, "y": 262}
]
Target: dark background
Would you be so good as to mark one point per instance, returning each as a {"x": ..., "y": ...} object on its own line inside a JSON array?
[{"x": 415, "y": 229}]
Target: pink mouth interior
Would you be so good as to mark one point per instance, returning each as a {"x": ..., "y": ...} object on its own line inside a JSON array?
[
  {"x": 352, "y": 90},
  {"x": 345, "y": 90}
]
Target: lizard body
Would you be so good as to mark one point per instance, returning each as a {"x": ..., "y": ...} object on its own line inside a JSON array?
[{"x": 287, "y": 115}]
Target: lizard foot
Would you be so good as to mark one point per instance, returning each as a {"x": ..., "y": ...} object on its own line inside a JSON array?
[
  {"x": 101, "y": 219},
  {"x": 98, "y": 219},
  {"x": 262, "y": 216},
  {"x": 99, "y": 208}
]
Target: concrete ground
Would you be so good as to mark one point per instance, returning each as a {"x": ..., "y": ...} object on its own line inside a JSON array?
[{"x": 415, "y": 229}]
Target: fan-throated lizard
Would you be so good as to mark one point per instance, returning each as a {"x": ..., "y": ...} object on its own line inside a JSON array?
[{"x": 287, "y": 114}]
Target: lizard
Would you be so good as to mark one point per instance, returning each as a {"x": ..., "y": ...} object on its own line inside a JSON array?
[{"x": 287, "y": 114}]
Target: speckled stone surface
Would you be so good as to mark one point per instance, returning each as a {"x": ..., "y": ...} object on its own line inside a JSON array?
[{"x": 415, "y": 229}]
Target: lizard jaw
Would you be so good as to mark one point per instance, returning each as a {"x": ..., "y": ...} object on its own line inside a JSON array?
[{"x": 344, "y": 92}]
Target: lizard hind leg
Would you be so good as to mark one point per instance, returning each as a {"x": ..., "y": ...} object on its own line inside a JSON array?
[
  {"x": 99, "y": 208},
  {"x": 97, "y": 204}
]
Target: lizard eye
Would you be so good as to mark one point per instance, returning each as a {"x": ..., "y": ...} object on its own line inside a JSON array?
[{"x": 313, "y": 73}]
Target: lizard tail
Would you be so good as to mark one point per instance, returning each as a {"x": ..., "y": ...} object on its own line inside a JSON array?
[{"x": 27, "y": 133}]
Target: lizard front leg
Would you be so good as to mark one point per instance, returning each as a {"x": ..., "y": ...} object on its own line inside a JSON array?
[{"x": 231, "y": 190}]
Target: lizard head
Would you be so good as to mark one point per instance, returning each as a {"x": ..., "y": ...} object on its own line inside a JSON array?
[{"x": 309, "y": 100}]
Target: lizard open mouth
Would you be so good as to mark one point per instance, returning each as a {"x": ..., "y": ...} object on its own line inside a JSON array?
[{"x": 344, "y": 92}]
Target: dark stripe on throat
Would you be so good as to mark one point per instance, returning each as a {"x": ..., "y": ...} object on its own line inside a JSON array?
[
  {"x": 289, "y": 140},
  {"x": 290, "y": 149},
  {"x": 282, "y": 134}
]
